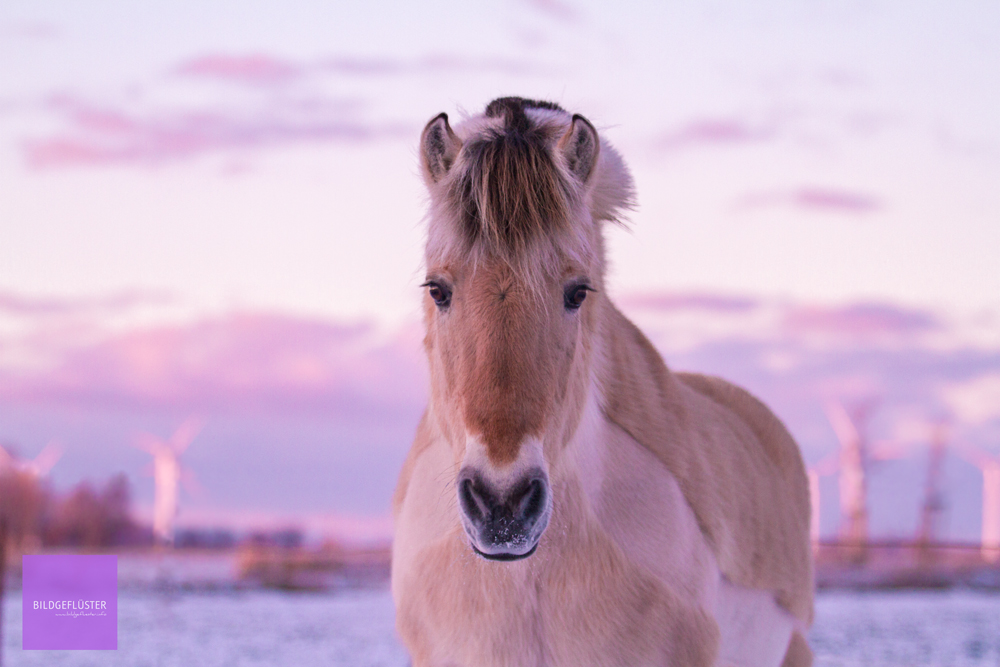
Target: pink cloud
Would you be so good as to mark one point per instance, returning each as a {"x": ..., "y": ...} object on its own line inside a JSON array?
[
  {"x": 254, "y": 69},
  {"x": 429, "y": 64},
  {"x": 259, "y": 361},
  {"x": 855, "y": 202},
  {"x": 554, "y": 9},
  {"x": 105, "y": 136},
  {"x": 716, "y": 131},
  {"x": 859, "y": 320},
  {"x": 12, "y": 304},
  {"x": 266, "y": 70},
  {"x": 692, "y": 319},
  {"x": 814, "y": 199},
  {"x": 672, "y": 301},
  {"x": 30, "y": 30}
]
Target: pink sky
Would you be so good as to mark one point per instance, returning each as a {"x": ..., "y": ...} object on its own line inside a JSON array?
[{"x": 216, "y": 209}]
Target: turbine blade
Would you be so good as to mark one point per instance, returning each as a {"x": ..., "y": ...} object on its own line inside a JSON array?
[
  {"x": 46, "y": 459},
  {"x": 973, "y": 455},
  {"x": 843, "y": 425},
  {"x": 6, "y": 459},
  {"x": 148, "y": 443},
  {"x": 185, "y": 433}
]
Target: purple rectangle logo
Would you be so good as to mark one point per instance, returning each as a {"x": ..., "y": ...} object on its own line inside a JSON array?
[{"x": 70, "y": 602}]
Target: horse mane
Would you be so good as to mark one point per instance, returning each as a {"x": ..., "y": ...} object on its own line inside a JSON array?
[{"x": 513, "y": 180}]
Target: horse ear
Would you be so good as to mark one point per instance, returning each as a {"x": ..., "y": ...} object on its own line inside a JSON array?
[
  {"x": 439, "y": 147},
  {"x": 580, "y": 147}
]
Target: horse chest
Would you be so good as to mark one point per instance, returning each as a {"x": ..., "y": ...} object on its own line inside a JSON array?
[{"x": 583, "y": 607}]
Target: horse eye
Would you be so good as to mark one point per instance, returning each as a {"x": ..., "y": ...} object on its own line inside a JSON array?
[
  {"x": 438, "y": 292},
  {"x": 575, "y": 294}
]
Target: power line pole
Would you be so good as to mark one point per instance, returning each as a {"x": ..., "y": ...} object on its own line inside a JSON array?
[{"x": 934, "y": 505}]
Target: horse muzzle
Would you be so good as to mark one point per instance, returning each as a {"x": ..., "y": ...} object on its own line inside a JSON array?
[{"x": 504, "y": 524}]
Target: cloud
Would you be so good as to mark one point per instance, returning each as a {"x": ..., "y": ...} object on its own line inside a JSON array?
[
  {"x": 798, "y": 354},
  {"x": 275, "y": 102},
  {"x": 266, "y": 70},
  {"x": 977, "y": 400},
  {"x": 672, "y": 301},
  {"x": 859, "y": 320},
  {"x": 99, "y": 135},
  {"x": 716, "y": 132},
  {"x": 16, "y": 305},
  {"x": 691, "y": 319},
  {"x": 30, "y": 30},
  {"x": 429, "y": 64},
  {"x": 554, "y": 9},
  {"x": 264, "y": 362},
  {"x": 814, "y": 199},
  {"x": 367, "y": 384},
  {"x": 253, "y": 68}
]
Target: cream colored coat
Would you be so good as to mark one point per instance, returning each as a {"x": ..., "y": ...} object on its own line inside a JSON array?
[{"x": 679, "y": 530}]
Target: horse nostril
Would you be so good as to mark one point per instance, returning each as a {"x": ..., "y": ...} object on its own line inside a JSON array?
[
  {"x": 532, "y": 503},
  {"x": 472, "y": 503}
]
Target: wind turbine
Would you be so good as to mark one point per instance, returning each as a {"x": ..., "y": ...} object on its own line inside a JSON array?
[
  {"x": 990, "y": 466},
  {"x": 853, "y": 468},
  {"x": 36, "y": 467},
  {"x": 167, "y": 473},
  {"x": 856, "y": 456}
]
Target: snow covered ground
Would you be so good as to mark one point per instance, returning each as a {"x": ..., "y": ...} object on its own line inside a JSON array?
[{"x": 355, "y": 628}]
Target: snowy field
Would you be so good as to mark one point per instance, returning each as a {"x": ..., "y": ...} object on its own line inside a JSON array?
[{"x": 355, "y": 628}]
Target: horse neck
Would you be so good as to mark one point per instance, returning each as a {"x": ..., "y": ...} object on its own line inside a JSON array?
[
  {"x": 627, "y": 384},
  {"x": 632, "y": 380}
]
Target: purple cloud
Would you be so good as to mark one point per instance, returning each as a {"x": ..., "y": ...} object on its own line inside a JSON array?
[
  {"x": 30, "y": 30},
  {"x": 840, "y": 200},
  {"x": 107, "y": 136},
  {"x": 12, "y": 304},
  {"x": 256, "y": 361},
  {"x": 814, "y": 199},
  {"x": 859, "y": 320},
  {"x": 673, "y": 301},
  {"x": 555, "y": 9},
  {"x": 266, "y": 70},
  {"x": 429, "y": 64},
  {"x": 248, "y": 367},
  {"x": 715, "y": 131},
  {"x": 252, "y": 69}
]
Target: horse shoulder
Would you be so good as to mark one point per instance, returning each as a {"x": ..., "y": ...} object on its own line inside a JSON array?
[
  {"x": 737, "y": 467},
  {"x": 775, "y": 455},
  {"x": 640, "y": 507}
]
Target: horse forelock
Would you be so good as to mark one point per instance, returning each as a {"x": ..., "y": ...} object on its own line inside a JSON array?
[{"x": 508, "y": 192}]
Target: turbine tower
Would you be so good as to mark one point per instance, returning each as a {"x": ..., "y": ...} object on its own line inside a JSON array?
[
  {"x": 990, "y": 466},
  {"x": 853, "y": 468},
  {"x": 167, "y": 473}
]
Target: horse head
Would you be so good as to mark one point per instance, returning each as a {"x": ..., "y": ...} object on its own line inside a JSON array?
[{"x": 515, "y": 275}]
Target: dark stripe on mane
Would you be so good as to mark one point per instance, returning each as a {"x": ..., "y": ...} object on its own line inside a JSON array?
[{"x": 511, "y": 190}]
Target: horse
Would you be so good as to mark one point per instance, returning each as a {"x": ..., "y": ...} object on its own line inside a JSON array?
[{"x": 567, "y": 499}]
